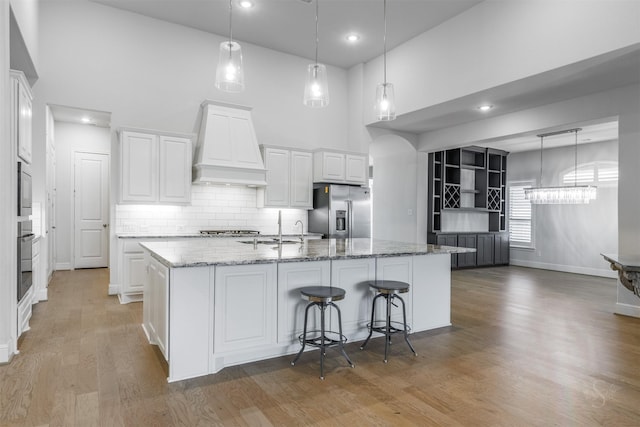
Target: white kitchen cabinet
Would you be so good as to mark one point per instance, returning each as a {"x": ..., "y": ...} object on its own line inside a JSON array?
[
  {"x": 341, "y": 168},
  {"x": 133, "y": 271},
  {"x": 239, "y": 290},
  {"x": 37, "y": 276},
  {"x": 301, "y": 180},
  {"x": 351, "y": 275},
  {"x": 21, "y": 115},
  {"x": 155, "y": 168},
  {"x": 401, "y": 269},
  {"x": 156, "y": 312},
  {"x": 276, "y": 162},
  {"x": 291, "y": 277},
  {"x": 289, "y": 179}
]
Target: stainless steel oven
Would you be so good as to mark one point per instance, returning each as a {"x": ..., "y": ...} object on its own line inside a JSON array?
[
  {"x": 24, "y": 189},
  {"x": 25, "y": 257}
]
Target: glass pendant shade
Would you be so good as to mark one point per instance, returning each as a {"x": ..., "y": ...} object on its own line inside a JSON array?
[
  {"x": 316, "y": 90},
  {"x": 579, "y": 194},
  {"x": 385, "y": 106},
  {"x": 230, "y": 73}
]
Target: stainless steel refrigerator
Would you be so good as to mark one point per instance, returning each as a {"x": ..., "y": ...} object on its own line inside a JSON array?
[{"x": 340, "y": 211}]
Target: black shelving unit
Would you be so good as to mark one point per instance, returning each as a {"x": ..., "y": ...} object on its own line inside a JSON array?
[{"x": 469, "y": 179}]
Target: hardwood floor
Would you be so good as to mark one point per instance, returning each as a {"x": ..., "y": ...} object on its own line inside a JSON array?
[{"x": 527, "y": 348}]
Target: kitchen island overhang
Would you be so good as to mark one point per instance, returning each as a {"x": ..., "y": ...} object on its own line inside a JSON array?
[{"x": 213, "y": 303}]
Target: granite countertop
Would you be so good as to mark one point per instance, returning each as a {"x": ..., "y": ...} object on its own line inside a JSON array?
[
  {"x": 201, "y": 252},
  {"x": 207, "y": 236},
  {"x": 627, "y": 262}
]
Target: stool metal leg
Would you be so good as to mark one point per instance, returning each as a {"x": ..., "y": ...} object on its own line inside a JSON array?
[
  {"x": 387, "y": 335},
  {"x": 322, "y": 340},
  {"x": 304, "y": 333},
  {"x": 404, "y": 320},
  {"x": 373, "y": 312},
  {"x": 340, "y": 343}
]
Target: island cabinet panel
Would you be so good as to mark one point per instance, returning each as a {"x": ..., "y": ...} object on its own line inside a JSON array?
[
  {"x": 245, "y": 307},
  {"x": 431, "y": 292},
  {"x": 155, "y": 313},
  {"x": 190, "y": 305},
  {"x": 291, "y": 277},
  {"x": 401, "y": 269},
  {"x": 352, "y": 275}
]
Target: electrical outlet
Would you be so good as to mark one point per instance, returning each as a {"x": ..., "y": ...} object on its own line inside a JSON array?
[{"x": 409, "y": 212}]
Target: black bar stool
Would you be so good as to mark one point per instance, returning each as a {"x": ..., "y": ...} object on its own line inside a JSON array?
[
  {"x": 389, "y": 290},
  {"x": 322, "y": 297}
]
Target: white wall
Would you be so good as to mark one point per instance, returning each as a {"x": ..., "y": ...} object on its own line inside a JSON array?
[
  {"x": 499, "y": 42},
  {"x": 569, "y": 237},
  {"x": 69, "y": 139},
  {"x": 394, "y": 188}
]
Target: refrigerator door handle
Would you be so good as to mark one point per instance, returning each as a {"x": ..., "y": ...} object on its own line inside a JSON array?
[{"x": 350, "y": 218}]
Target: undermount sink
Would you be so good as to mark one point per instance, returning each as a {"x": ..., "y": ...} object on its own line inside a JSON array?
[{"x": 268, "y": 242}]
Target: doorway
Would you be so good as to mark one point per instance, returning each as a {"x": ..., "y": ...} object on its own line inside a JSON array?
[{"x": 91, "y": 210}]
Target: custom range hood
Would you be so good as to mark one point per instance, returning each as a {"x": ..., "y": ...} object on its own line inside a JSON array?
[{"x": 227, "y": 151}]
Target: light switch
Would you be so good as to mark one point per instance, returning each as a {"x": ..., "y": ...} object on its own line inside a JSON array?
[{"x": 409, "y": 212}]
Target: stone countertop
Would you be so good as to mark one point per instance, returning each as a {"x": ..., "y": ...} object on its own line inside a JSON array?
[
  {"x": 627, "y": 262},
  {"x": 207, "y": 236},
  {"x": 202, "y": 252}
]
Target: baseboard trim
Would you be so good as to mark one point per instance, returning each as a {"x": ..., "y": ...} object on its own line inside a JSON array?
[
  {"x": 600, "y": 272},
  {"x": 627, "y": 310},
  {"x": 41, "y": 295},
  {"x": 6, "y": 352},
  {"x": 63, "y": 266},
  {"x": 114, "y": 289},
  {"x": 128, "y": 298}
]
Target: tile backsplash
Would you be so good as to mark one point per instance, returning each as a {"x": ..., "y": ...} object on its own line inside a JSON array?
[{"x": 212, "y": 207}]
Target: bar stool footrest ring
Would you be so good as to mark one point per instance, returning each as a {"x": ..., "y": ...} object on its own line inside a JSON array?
[
  {"x": 331, "y": 338},
  {"x": 380, "y": 326}
]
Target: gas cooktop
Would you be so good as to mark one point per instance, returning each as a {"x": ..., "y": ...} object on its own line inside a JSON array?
[{"x": 228, "y": 232}]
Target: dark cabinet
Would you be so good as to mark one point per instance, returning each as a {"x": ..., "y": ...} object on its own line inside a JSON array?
[
  {"x": 484, "y": 254},
  {"x": 501, "y": 248},
  {"x": 449, "y": 240},
  {"x": 467, "y": 241}
]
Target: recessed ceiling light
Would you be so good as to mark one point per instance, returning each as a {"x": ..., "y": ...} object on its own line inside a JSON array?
[
  {"x": 246, "y": 4},
  {"x": 353, "y": 37},
  {"x": 86, "y": 119},
  {"x": 485, "y": 107}
]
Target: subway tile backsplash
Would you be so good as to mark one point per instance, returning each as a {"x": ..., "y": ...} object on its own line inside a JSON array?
[{"x": 212, "y": 207}]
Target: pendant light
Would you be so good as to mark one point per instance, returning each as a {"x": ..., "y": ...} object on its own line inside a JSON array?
[
  {"x": 316, "y": 90},
  {"x": 385, "y": 107},
  {"x": 230, "y": 74},
  {"x": 576, "y": 194}
]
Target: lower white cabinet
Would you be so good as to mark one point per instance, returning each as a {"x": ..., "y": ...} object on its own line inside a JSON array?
[
  {"x": 155, "y": 313},
  {"x": 352, "y": 275},
  {"x": 291, "y": 277},
  {"x": 401, "y": 269},
  {"x": 133, "y": 268},
  {"x": 245, "y": 306}
]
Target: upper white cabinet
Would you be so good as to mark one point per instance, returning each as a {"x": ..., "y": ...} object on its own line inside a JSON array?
[
  {"x": 155, "y": 168},
  {"x": 342, "y": 168},
  {"x": 289, "y": 179},
  {"x": 21, "y": 114}
]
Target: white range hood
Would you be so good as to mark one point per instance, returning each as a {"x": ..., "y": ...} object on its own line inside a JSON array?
[{"x": 227, "y": 150}]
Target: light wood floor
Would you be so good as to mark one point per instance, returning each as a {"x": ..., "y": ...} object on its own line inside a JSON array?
[{"x": 527, "y": 348}]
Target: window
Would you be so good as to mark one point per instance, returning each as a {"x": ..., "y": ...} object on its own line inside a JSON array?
[
  {"x": 600, "y": 173},
  {"x": 520, "y": 216}
]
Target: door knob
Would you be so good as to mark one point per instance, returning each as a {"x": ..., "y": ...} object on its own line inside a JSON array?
[{"x": 104, "y": 225}]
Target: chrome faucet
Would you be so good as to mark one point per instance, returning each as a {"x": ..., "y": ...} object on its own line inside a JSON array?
[
  {"x": 280, "y": 227},
  {"x": 301, "y": 230}
]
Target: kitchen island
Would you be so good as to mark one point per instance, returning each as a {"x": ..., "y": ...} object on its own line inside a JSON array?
[{"x": 211, "y": 303}]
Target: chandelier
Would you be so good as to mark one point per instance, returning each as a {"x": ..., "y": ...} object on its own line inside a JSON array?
[{"x": 575, "y": 194}]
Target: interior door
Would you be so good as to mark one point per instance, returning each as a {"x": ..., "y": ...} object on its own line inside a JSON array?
[{"x": 91, "y": 209}]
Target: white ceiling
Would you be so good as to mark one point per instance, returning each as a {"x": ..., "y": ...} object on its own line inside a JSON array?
[
  {"x": 62, "y": 113},
  {"x": 289, "y": 25}
]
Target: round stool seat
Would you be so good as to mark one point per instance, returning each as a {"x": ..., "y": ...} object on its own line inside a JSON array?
[
  {"x": 389, "y": 286},
  {"x": 323, "y": 294}
]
